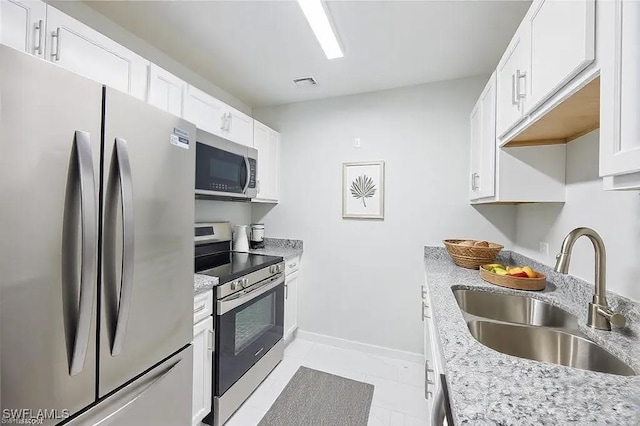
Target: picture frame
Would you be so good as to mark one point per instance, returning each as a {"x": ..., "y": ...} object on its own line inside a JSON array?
[{"x": 363, "y": 190}]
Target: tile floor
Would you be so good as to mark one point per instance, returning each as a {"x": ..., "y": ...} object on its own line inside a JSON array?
[{"x": 398, "y": 398}]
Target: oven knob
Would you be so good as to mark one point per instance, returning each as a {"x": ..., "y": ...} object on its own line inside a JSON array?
[
  {"x": 272, "y": 269},
  {"x": 234, "y": 285}
]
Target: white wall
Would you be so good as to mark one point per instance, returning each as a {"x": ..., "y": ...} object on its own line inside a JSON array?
[
  {"x": 102, "y": 24},
  {"x": 361, "y": 279},
  {"x": 614, "y": 215},
  {"x": 238, "y": 213}
]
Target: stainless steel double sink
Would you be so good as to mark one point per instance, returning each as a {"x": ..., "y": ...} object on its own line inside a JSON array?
[{"x": 530, "y": 328}]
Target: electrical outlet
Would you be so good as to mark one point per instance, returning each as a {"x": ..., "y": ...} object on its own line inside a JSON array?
[
  {"x": 544, "y": 248},
  {"x": 357, "y": 143}
]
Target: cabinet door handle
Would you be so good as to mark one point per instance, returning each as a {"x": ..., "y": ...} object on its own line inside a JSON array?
[
  {"x": 514, "y": 100},
  {"x": 427, "y": 382},
  {"x": 230, "y": 122},
  {"x": 424, "y": 315},
  {"x": 56, "y": 35},
  {"x": 520, "y": 75},
  {"x": 258, "y": 187},
  {"x": 223, "y": 123},
  {"x": 212, "y": 341},
  {"x": 199, "y": 308},
  {"x": 40, "y": 29},
  {"x": 473, "y": 181},
  {"x": 424, "y": 292},
  {"x": 286, "y": 291},
  {"x": 292, "y": 265}
]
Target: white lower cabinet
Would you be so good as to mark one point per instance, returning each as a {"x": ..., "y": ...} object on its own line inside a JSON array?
[
  {"x": 203, "y": 348},
  {"x": 78, "y": 48},
  {"x": 23, "y": 25},
  {"x": 620, "y": 96},
  {"x": 267, "y": 142},
  {"x": 291, "y": 287},
  {"x": 433, "y": 363}
]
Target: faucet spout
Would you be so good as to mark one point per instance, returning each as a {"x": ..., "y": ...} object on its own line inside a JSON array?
[{"x": 600, "y": 315}]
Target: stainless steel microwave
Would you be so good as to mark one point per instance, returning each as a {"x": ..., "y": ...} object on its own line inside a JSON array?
[{"x": 225, "y": 168}]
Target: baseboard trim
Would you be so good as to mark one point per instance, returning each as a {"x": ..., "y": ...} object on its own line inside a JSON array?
[{"x": 358, "y": 346}]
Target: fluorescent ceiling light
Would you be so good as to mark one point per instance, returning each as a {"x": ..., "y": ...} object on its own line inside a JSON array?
[{"x": 317, "y": 17}]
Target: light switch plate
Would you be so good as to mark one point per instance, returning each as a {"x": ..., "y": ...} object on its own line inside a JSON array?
[{"x": 544, "y": 248}]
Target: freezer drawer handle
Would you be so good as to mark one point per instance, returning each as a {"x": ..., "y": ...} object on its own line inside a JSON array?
[
  {"x": 138, "y": 394},
  {"x": 89, "y": 266},
  {"x": 126, "y": 289}
]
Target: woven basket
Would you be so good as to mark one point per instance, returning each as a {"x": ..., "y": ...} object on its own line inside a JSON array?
[{"x": 471, "y": 257}]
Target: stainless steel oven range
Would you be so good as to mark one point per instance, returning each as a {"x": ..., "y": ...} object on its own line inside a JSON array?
[{"x": 249, "y": 316}]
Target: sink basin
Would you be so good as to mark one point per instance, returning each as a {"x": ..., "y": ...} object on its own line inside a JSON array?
[
  {"x": 547, "y": 345},
  {"x": 514, "y": 309}
]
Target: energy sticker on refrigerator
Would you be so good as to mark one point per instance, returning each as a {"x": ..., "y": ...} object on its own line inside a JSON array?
[{"x": 179, "y": 141}]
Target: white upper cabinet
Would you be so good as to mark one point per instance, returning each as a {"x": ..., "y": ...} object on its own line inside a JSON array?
[
  {"x": 483, "y": 143},
  {"x": 204, "y": 110},
  {"x": 166, "y": 91},
  {"x": 620, "y": 96},
  {"x": 78, "y": 48},
  {"x": 510, "y": 175},
  {"x": 512, "y": 77},
  {"x": 214, "y": 116},
  {"x": 562, "y": 44},
  {"x": 23, "y": 25},
  {"x": 238, "y": 127},
  {"x": 267, "y": 142}
]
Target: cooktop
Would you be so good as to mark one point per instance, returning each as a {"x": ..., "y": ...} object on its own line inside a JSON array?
[{"x": 228, "y": 266}]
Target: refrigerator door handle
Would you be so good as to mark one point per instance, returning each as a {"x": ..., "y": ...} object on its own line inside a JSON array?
[
  {"x": 126, "y": 289},
  {"x": 106, "y": 420},
  {"x": 89, "y": 266}
]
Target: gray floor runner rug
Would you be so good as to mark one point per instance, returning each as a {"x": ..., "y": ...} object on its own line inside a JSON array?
[{"x": 316, "y": 398}]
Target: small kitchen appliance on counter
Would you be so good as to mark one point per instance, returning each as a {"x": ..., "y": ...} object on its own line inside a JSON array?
[
  {"x": 257, "y": 236},
  {"x": 248, "y": 316},
  {"x": 241, "y": 238}
]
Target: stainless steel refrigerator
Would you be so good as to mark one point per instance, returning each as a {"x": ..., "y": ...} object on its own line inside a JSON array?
[{"x": 96, "y": 251}]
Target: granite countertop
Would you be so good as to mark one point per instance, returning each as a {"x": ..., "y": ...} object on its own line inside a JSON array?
[
  {"x": 280, "y": 247},
  {"x": 202, "y": 283},
  {"x": 488, "y": 387}
]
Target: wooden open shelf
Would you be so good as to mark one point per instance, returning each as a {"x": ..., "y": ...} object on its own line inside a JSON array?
[{"x": 574, "y": 117}]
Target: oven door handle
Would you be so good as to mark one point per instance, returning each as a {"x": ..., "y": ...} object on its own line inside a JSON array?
[{"x": 232, "y": 302}]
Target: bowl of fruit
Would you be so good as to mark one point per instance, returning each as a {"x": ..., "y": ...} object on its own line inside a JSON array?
[
  {"x": 472, "y": 253},
  {"x": 516, "y": 277}
]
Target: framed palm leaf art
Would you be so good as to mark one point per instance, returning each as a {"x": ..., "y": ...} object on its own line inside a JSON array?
[{"x": 363, "y": 190}]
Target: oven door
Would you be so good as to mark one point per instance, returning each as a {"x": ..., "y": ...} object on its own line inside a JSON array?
[
  {"x": 221, "y": 172},
  {"x": 249, "y": 324}
]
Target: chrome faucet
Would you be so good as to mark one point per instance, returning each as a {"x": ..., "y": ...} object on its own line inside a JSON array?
[{"x": 600, "y": 315}]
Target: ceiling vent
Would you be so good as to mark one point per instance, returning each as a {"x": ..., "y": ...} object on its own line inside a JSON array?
[{"x": 305, "y": 82}]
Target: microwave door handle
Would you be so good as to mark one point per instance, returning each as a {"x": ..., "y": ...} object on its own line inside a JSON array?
[
  {"x": 126, "y": 289},
  {"x": 232, "y": 302},
  {"x": 248, "y": 175}
]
